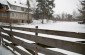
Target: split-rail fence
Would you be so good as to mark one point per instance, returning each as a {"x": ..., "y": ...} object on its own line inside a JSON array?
[{"x": 41, "y": 44}]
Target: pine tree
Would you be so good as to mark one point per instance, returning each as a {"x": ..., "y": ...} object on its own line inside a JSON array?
[
  {"x": 82, "y": 10},
  {"x": 44, "y": 8},
  {"x": 28, "y": 4}
]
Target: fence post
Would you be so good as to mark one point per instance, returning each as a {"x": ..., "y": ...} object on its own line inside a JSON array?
[
  {"x": 0, "y": 38},
  {"x": 11, "y": 35},
  {"x": 36, "y": 34}
]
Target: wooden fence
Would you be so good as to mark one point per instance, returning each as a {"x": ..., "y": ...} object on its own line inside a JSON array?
[{"x": 40, "y": 44}]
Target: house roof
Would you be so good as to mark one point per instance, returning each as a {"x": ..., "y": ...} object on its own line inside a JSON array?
[
  {"x": 15, "y": 2},
  {"x": 21, "y": 3},
  {"x": 3, "y": 2}
]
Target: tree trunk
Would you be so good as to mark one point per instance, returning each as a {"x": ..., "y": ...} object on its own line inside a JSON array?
[
  {"x": 42, "y": 21},
  {"x": 84, "y": 21}
]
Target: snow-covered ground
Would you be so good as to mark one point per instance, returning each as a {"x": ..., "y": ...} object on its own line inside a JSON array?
[
  {"x": 62, "y": 26},
  {"x": 4, "y": 51}
]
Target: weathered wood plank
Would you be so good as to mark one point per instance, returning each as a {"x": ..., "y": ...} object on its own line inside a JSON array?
[
  {"x": 0, "y": 37},
  {"x": 32, "y": 51},
  {"x": 32, "y": 46},
  {"x": 17, "y": 49},
  {"x": 70, "y": 46},
  {"x": 51, "y": 32},
  {"x": 9, "y": 39}
]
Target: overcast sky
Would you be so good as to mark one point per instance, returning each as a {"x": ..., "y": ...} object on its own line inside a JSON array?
[
  {"x": 66, "y": 6},
  {"x": 63, "y": 6}
]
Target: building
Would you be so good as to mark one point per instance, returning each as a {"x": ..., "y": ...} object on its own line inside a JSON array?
[{"x": 14, "y": 11}]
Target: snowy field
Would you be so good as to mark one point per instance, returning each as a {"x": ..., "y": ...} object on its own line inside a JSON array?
[{"x": 62, "y": 26}]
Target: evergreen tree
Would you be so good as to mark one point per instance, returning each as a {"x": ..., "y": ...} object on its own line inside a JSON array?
[
  {"x": 28, "y": 4},
  {"x": 44, "y": 8},
  {"x": 82, "y": 10}
]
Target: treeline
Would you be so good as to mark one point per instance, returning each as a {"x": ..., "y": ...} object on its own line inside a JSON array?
[
  {"x": 67, "y": 17},
  {"x": 44, "y": 10}
]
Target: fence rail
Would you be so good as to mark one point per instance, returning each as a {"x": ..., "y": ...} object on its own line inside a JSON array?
[{"x": 41, "y": 43}]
